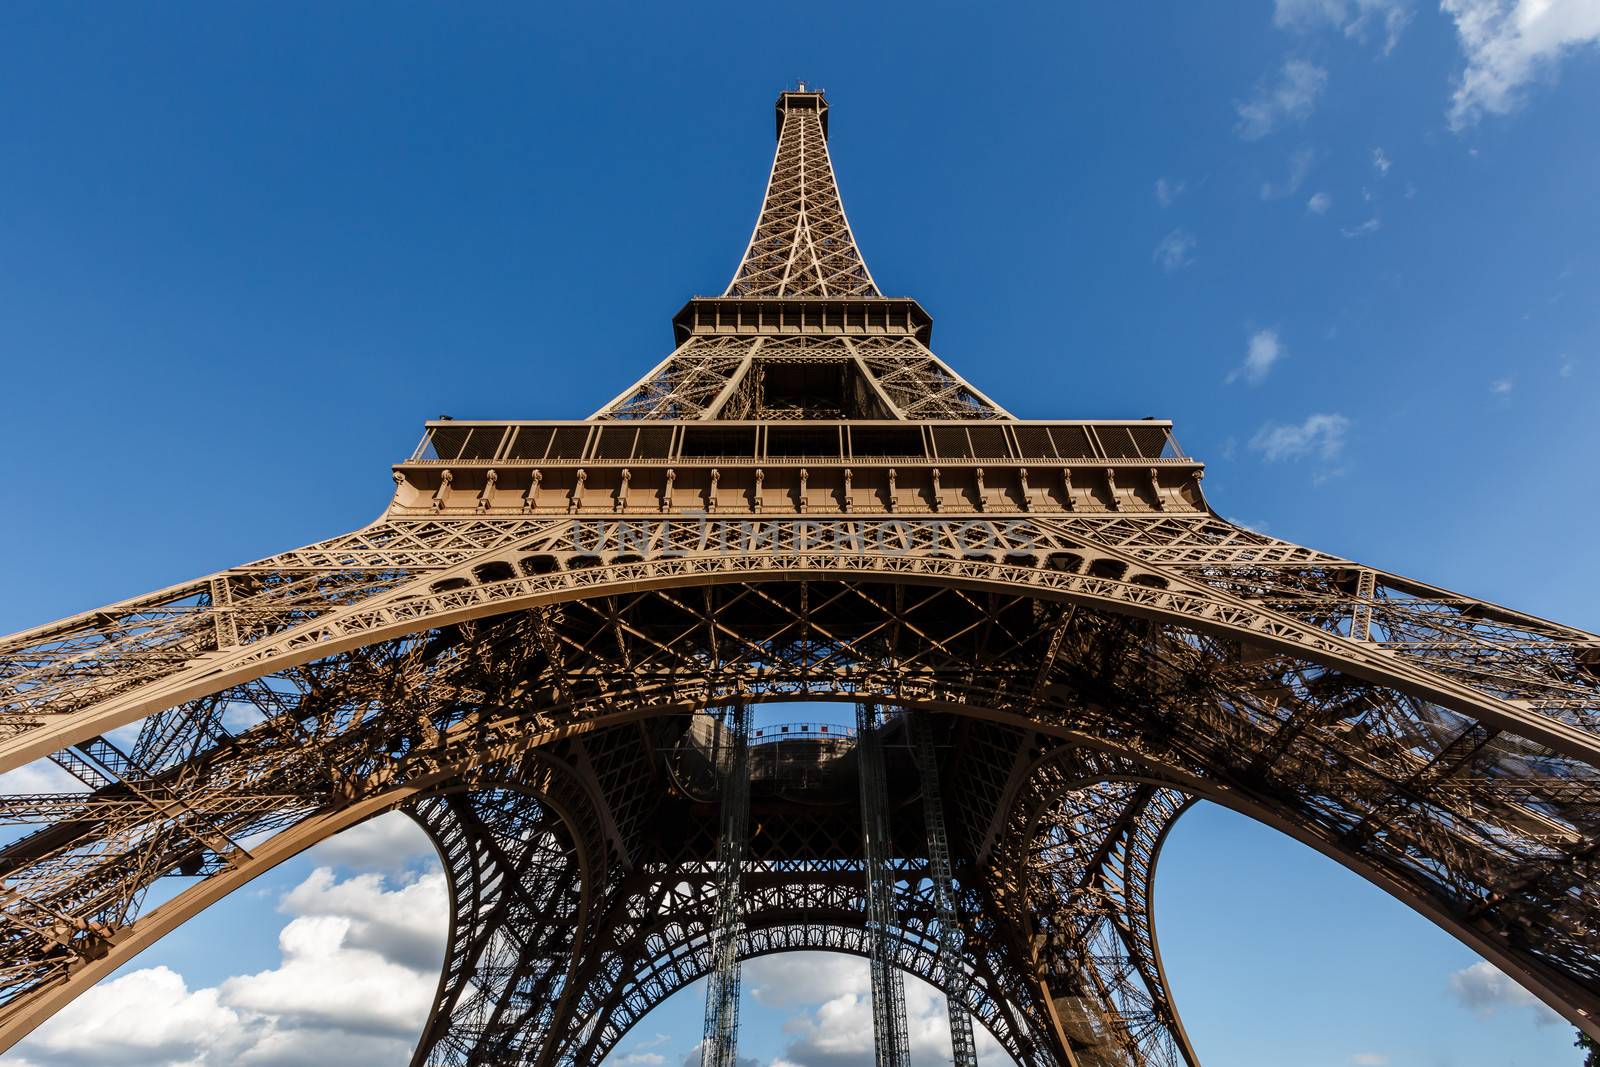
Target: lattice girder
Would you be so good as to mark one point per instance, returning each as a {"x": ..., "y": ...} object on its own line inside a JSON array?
[
  {"x": 502, "y": 655},
  {"x": 1414, "y": 796},
  {"x": 518, "y": 891},
  {"x": 802, "y": 245},
  {"x": 1538, "y": 679}
]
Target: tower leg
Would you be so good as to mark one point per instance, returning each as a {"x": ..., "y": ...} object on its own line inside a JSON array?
[
  {"x": 720, "y": 1047},
  {"x": 1085, "y": 915},
  {"x": 890, "y": 1044},
  {"x": 962, "y": 1047},
  {"x": 517, "y": 897}
]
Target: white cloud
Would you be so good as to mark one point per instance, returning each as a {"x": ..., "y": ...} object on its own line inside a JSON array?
[
  {"x": 1173, "y": 252},
  {"x": 1509, "y": 43},
  {"x": 791, "y": 978},
  {"x": 40, "y": 776},
  {"x": 637, "y": 1059},
  {"x": 403, "y": 924},
  {"x": 1484, "y": 989},
  {"x": 1319, "y": 203},
  {"x": 1369, "y": 1059},
  {"x": 146, "y": 1018},
  {"x": 1568, "y": 365},
  {"x": 1292, "y": 96},
  {"x": 1381, "y": 162},
  {"x": 360, "y": 963},
  {"x": 1299, "y": 167},
  {"x": 1371, "y": 226},
  {"x": 1356, "y": 18},
  {"x": 1321, "y": 436},
  {"x": 391, "y": 842},
  {"x": 1502, "y": 386},
  {"x": 838, "y": 1031},
  {"x": 1169, "y": 189},
  {"x": 1262, "y": 353}
]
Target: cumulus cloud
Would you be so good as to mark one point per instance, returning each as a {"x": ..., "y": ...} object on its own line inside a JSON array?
[
  {"x": 1484, "y": 989},
  {"x": 838, "y": 1031},
  {"x": 791, "y": 978},
  {"x": 1299, "y": 168},
  {"x": 360, "y": 962},
  {"x": 1509, "y": 43},
  {"x": 1319, "y": 203},
  {"x": 147, "y": 1018},
  {"x": 391, "y": 843},
  {"x": 1169, "y": 189},
  {"x": 1260, "y": 355},
  {"x": 1321, "y": 436},
  {"x": 1290, "y": 96},
  {"x": 1174, "y": 251},
  {"x": 1358, "y": 19},
  {"x": 403, "y": 923}
]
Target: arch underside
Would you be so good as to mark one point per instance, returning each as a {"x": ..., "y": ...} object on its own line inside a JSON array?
[
  {"x": 1076, "y": 942},
  {"x": 1434, "y": 744}
]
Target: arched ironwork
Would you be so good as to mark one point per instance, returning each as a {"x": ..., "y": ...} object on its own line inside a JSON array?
[{"x": 802, "y": 502}]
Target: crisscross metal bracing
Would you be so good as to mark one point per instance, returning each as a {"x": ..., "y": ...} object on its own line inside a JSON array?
[{"x": 800, "y": 503}]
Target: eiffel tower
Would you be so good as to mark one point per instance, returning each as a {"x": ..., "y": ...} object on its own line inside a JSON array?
[{"x": 548, "y": 648}]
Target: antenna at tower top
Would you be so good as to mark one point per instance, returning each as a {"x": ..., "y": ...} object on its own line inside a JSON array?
[{"x": 802, "y": 87}]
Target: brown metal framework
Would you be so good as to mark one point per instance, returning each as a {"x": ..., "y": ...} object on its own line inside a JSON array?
[{"x": 802, "y": 502}]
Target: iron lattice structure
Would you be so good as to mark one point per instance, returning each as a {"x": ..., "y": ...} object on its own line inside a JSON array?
[{"x": 800, "y": 502}]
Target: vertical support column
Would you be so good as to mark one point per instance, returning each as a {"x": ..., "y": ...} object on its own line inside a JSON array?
[
  {"x": 890, "y": 1046},
  {"x": 963, "y": 1049},
  {"x": 1361, "y": 614},
  {"x": 720, "y": 1047}
]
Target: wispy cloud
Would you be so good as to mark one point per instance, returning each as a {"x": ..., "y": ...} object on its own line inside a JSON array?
[
  {"x": 1381, "y": 162},
  {"x": 1484, "y": 989},
  {"x": 1509, "y": 43},
  {"x": 1175, "y": 250},
  {"x": 1299, "y": 168},
  {"x": 1502, "y": 386},
  {"x": 1568, "y": 365},
  {"x": 1169, "y": 189},
  {"x": 1369, "y": 1059},
  {"x": 1262, "y": 353},
  {"x": 1291, "y": 96},
  {"x": 1321, "y": 436},
  {"x": 1365, "y": 229},
  {"x": 1356, "y": 18},
  {"x": 1319, "y": 203}
]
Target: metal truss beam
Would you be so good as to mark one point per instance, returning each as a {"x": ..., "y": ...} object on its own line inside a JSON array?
[
  {"x": 889, "y": 1041},
  {"x": 963, "y": 1048},
  {"x": 720, "y": 1045},
  {"x": 807, "y": 504}
]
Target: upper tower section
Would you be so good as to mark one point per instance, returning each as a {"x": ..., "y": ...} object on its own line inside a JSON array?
[
  {"x": 802, "y": 331},
  {"x": 802, "y": 245}
]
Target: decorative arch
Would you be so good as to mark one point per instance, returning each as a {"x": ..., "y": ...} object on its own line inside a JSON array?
[{"x": 1241, "y": 700}]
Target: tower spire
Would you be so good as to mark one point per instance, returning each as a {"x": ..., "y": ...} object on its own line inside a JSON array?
[
  {"x": 802, "y": 245},
  {"x": 802, "y": 331}
]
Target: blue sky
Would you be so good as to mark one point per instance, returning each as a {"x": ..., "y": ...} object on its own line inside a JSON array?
[{"x": 1349, "y": 246}]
